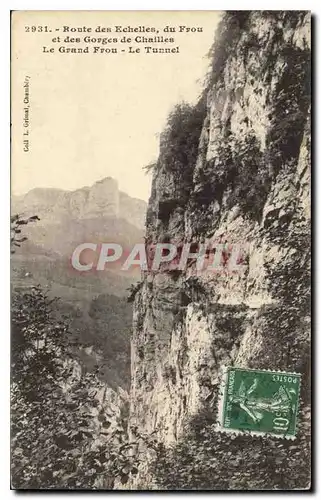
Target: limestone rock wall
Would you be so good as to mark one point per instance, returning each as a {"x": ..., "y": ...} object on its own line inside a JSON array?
[{"x": 249, "y": 183}]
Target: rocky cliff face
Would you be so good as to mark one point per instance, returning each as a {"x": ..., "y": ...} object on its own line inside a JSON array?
[{"x": 244, "y": 177}]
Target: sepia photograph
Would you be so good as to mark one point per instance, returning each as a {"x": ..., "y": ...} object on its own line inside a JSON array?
[{"x": 160, "y": 250}]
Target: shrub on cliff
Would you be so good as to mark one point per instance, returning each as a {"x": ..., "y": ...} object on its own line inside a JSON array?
[
  {"x": 239, "y": 173},
  {"x": 180, "y": 139}
]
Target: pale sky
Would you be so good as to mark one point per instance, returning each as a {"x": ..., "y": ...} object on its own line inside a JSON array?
[{"x": 99, "y": 115}]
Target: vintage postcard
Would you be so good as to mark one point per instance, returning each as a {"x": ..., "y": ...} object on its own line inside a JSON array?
[{"x": 160, "y": 240}]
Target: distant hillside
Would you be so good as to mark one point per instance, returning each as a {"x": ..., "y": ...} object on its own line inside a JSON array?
[
  {"x": 94, "y": 302},
  {"x": 96, "y": 214},
  {"x": 102, "y": 199}
]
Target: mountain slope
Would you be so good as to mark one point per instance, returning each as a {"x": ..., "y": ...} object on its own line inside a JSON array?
[
  {"x": 93, "y": 302},
  {"x": 235, "y": 169}
]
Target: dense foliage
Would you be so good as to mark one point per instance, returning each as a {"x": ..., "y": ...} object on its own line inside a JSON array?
[
  {"x": 50, "y": 408},
  {"x": 64, "y": 431},
  {"x": 180, "y": 138},
  {"x": 205, "y": 459}
]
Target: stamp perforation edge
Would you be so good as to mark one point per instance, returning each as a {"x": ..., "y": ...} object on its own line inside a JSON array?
[{"x": 221, "y": 402}]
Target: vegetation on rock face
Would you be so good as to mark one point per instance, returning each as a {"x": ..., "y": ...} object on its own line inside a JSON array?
[
  {"x": 180, "y": 139},
  {"x": 179, "y": 143},
  {"x": 205, "y": 459},
  {"x": 179, "y": 148},
  {"x": 132, "y": 290},
  {"x": 226, "y": 39},
  {"x": 246, "y": 170},
  {"x": 242, "y": 168},
  {"x": 291, "y": 99},
  {"x": 239, "y": 170}
]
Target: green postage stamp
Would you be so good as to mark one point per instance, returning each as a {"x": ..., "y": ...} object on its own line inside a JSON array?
[{"x": 259, "y": 402}]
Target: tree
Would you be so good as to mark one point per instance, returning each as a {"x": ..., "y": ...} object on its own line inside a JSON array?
[
  {"x": 16, "y": 222},
  {"x": 60, "y": 434}
]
